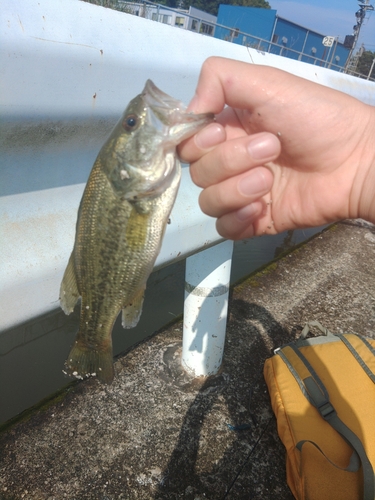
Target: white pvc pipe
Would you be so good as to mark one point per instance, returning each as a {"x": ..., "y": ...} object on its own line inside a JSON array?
[{"x": 207, "y": 280}]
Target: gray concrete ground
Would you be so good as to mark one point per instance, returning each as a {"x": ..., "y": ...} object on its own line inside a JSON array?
[{"x": 154, "y": 435}]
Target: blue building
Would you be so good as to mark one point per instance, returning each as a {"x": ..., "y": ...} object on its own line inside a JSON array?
[
  {"x": 265, "y": 30},
  {"x": 248, "y": 24}
]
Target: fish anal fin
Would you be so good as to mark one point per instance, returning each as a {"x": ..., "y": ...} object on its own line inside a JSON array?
[
  {"x": 69, "y": 293},
  {"x": 132, "y": 312},
  {"x": 86, "y": 361}
]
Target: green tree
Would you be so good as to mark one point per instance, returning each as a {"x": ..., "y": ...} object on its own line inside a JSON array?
[
  {"x": 262, "y": 4},
  {"x": 212, "y": 6},
  {"x": 175, "y": 4},
  {"x": 111, "y": 4},
  {"x": 365, "y": 62}
]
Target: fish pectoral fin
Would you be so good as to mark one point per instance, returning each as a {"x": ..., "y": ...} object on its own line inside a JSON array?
[
  {"x": 132, "y": 312},
  {"x": 69, "y": 293}
]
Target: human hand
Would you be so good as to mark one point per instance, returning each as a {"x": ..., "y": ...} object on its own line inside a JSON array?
[{"x": 285, "y": 153}]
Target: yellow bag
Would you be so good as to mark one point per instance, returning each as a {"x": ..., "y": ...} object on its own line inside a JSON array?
[{"x": 323, "y": 395}]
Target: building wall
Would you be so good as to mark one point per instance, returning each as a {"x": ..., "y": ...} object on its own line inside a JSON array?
[
  {"x": 201, "y": 22},
  {"x": 177, "y": 17},
  {"x": 293, "y": 37},
  {"x": 248, "y": 25},
  {"x": 192, "y": 19}
]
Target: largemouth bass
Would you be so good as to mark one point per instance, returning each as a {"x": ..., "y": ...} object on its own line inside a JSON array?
[{"x": 121, "y": 222}]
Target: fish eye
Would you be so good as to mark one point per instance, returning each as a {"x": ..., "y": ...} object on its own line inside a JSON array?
[{"x": 130, "y": 122}]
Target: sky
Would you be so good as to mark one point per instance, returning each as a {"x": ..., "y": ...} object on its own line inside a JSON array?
[{"x": 329, "y": 17}]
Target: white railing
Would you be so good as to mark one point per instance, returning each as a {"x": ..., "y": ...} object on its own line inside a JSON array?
[
  {"x": 68, "y": 70},
  {"x": 150, "y": 10}
]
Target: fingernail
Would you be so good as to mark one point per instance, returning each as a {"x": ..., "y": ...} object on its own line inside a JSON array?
[
  {"x": 255, "y": 182},
  {"x": 210, "y": 136},
  {"x": 263, "y": 147},
  {"x": 249, "y": 212}
]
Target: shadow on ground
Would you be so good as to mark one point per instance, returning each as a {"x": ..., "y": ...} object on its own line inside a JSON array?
[{"x": 153, "y": 434}]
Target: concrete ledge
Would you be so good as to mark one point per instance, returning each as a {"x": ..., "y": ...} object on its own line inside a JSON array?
[{"x": 156, "y": 435}]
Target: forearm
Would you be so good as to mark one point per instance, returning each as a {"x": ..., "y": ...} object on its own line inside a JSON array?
[{"x": 362, "y": 200}]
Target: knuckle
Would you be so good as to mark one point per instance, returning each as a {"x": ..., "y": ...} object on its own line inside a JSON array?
[
  {"x": 204, "y": 206},
  {"x": 221, "y": 197},
  {"x": 209, "y": 63},
  {"x": 231, "y": 158},
  {"x": 212, "y": 201},
  {"x": 195, "y": 174}
]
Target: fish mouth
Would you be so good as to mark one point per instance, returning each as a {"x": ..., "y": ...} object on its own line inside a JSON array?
[
  {"x": 161, "y": 102},
  {"x": 169, "y": 116}
]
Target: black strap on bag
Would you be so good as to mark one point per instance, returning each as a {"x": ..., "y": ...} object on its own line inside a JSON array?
[
  {"x": 357, "y": 356},
  {"x": 316, "y": 393}
]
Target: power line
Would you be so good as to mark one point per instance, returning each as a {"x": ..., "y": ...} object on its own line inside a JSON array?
[{"x": 360, "y": 15}]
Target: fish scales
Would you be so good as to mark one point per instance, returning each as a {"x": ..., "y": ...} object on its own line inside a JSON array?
[{"x": 120, "y": 225}]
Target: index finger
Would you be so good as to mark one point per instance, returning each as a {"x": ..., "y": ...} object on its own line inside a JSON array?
[{"x": 235, "y": 83}]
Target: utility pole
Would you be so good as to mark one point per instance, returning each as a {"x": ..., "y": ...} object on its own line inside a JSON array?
[
  {"x": 372, "y": 67},
  {"x": 364, "y": 6}
]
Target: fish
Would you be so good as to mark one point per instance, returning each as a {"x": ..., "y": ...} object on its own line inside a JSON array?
[{"x": 120, "y": 225}]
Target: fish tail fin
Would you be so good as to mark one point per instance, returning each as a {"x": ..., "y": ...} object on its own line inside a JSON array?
[{"x": 85, "y": 361}]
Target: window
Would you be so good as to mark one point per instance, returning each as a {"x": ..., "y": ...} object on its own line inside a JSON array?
[
  {"x": 207, "y": 29},
  {"x": 163, "y": 18},
  {"x": 275, "y": 38},
  {"x": 179, "y": 21},
  {"x": 194, "y": 25}
]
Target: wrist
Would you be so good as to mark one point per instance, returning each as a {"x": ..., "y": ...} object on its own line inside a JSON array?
[{"x": 363, "y": 193}]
